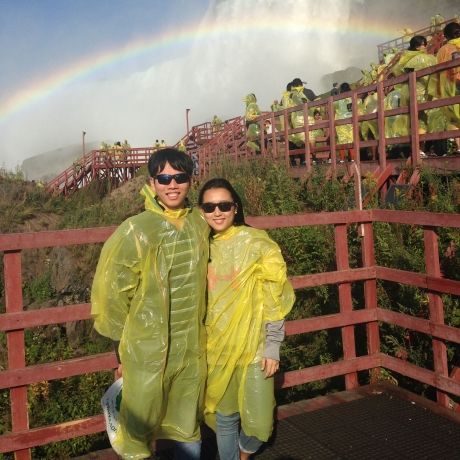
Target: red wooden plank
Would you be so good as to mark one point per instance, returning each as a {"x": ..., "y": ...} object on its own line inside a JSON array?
[
  {"x": 310, "y": 219},
  {"x": 318, "y": 323},
  {"x": 434, "y": 219},
  {"x": 53, "y": 433},
  {"x": 425, "y": 326},
  {"x": 346, "y": 304},
  {"x": 324, "y": 371},
  {"x": 34, "y": 240},
  {"x": 440, "y": 382},
  {"x": 436, "y": 308},
  {"x": 58, "y": 370},
  {"x": 318, "y": 279},
  {"x": 44, "y": 316},
  {"x": 418, "y": 279}
]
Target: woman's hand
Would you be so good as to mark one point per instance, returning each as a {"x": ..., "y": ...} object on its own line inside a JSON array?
[{"x": 270, "y": 366}]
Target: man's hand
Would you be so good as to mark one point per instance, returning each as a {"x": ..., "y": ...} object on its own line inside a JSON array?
[
  {"x": 119, "y": 372},
  {"x": 270, "y": 366}
]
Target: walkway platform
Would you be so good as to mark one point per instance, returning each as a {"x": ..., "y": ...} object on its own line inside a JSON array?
[{"x": 373, "y": 422}]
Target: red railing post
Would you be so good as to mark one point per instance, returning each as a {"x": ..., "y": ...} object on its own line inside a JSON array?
[
  {"x": 355, "y": 125},
  {"x": 436, "y": 308},
  {"x": 306, "y": 124},
  {"x": 414, "y": 125},
  {"x": 16, "y": 346},
  {"x": 332, "y": 143},
  {"x": 286, "y": 139},
  {"x": 370, "y": 292},
  {"x": 381, "y": 126},
  {"x": 346, "y": 304}
]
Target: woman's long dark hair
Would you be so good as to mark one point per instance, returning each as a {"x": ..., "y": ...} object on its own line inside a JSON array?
[{"x": 225, "y": 184}]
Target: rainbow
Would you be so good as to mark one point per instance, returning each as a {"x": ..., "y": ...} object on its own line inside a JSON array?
[{"x": 41, "y": 89}]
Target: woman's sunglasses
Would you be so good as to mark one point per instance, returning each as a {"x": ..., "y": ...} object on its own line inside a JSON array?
[
  {"x": 224, "y": 206},
  {"x": 165, "y": 179}
]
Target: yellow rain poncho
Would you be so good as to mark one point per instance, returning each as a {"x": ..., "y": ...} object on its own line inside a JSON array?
[
  {"x": 369, "y": 105},
  {"x": 297, "y": 118},
  {"x": 149, "y": 294},
  {"x": 247, "y": 287},
  {"x": 417, "y": 60},
  {"x": 342, "y": 109},
  {"x": 252, "y": 109},
  {"x": 449, "y": 82}
]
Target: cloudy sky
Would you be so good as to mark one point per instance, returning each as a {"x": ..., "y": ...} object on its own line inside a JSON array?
[{"x": 128, "y": 69}]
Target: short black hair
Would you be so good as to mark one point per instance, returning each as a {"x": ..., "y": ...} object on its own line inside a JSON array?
[
  {"x": 297, "y": 82},
  {"x": 452, "y": 30},
  {"x": 177, "y": 159},
  {"x": 344, "y": 87},
  {"x": 416, "y": 42},
  {"x": 220, "y": 182}
]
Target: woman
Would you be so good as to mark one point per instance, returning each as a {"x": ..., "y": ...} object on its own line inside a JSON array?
[{"x": 248, "y": 298}]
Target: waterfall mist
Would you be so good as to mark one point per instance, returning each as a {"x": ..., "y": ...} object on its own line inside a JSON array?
[{"x": 278, "y": 40}]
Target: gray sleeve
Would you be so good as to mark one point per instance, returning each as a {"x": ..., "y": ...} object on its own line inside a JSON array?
[{"x": 274, "y": 336}]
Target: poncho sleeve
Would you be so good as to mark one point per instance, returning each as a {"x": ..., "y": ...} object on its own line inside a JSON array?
[
  {"x": 117, "y": 276},
  {"x": 278, "y": 294}
]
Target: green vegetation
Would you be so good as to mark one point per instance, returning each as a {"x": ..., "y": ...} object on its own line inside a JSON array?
[{"x": 266, "y": 189}]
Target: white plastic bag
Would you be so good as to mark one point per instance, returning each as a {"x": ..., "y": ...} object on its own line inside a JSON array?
[{"x": 111, "y": 407}]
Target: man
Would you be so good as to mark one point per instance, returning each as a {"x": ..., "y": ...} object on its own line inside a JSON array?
[
  {"x": 307, "y": 93},
  {"x": 149, "y": 295}
]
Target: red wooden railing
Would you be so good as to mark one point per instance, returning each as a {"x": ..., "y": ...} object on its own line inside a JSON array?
[
  {"x": 212, "y": 144},
  {"x": 15, "y": 320},
  {"x": 118, "y": 165}
]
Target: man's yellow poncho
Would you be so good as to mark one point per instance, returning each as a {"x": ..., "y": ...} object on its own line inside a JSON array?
[
  {"x": 149, "y": 294},
  {"x": 247, "y": 287}
]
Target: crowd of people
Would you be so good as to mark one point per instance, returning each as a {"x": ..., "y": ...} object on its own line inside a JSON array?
[
  {"x": 415, "y": 57},
  {"x": 194, "y": 300}
]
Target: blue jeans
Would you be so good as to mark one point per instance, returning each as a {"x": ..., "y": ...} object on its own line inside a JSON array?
[
  {"x": 187, "y": 450},
  {"x": 230, "y": 440}
]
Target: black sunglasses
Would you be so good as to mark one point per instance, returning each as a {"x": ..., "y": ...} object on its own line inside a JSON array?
[
  {"x": 165, "y": 179},
  {"x": 224, "y": 206}
]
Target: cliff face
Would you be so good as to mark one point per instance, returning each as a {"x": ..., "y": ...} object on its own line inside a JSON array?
[{"x": 45, "y": 166}]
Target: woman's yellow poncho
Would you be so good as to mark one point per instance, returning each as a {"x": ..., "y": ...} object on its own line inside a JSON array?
[{"x": 247, "y": 287}]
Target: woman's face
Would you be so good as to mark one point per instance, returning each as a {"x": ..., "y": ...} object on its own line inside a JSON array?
[{"x": 218, "y": 218}]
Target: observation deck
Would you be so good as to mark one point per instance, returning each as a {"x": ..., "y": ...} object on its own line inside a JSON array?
[{"x": 355, "y": 325}]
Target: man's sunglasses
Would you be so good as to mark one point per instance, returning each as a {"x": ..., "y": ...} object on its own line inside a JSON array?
[
  {"x": 165, "y": 179},
  {"x": 224, "y": 206}
]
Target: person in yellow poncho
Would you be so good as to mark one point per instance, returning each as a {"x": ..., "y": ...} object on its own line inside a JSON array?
[
  {"x": 148, "y": 296},
  {"x": 344, "y": 133},
  {"x": 252, "y": 126},
  {"x": 248, "y": 297},
  {"x": 449, "y": 80},
  {"x": 414, "y": 58}
]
